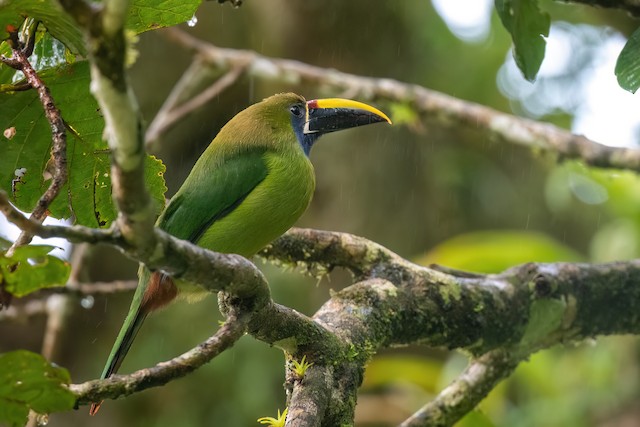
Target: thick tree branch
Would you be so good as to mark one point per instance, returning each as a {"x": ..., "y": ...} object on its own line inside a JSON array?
[
  {"x": 325, "y": 250},
  {"x": 443, "y": 109},
  {"x": 514, "y": 314},
  {"x": 104, "y": 25},
  {"x": 179, "y": 258},
  {"x": 309, "y": 397},
  {"x": 522, "y": 310}
]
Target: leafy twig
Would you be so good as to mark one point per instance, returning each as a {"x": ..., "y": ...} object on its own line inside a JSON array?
[{"x": 21, "y": 50}]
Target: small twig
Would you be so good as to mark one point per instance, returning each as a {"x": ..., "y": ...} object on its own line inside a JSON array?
[
  {"x": 59, "y": 310},
  {"x": 466, "y": 391},
  {"x": 20, "y": 60},
  {"x": 15, "y": 87},
  {"x": 124, "y": 385},
  {"x": 60, "y": 306},
  {"x": 25, "y": 312},
  {"x": 171, "y": 112},
  {"x": 40, "y": 306},
  {"x": 189, "y": 84},
  {"x": 100, "y": 288},
  {"x": 74, "y": 234},
  {"x": 21, "y": 50},
  {"x": 211, "y": 92}
]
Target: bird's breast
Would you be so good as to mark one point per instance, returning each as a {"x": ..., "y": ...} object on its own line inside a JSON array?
[{"x": 269, "y": 210}]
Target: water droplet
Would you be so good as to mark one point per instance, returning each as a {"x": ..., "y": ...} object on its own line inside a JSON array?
[
  {"x": 42, "y": 419},
  {"x": 193, "y": 21},
  {"x": 87, "y": 302}
]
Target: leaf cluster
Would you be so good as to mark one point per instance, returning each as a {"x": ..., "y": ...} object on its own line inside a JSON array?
[
  {"x": 27, "y": 380},
  {"x": 529, "y": 27}
]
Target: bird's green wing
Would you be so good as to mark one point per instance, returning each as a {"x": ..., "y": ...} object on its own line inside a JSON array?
[
  {"x": 209, "y": 195},
  {"x": 206, "y": 196}
]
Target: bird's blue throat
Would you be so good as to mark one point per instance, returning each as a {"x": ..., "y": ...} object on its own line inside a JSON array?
[{"x": 306, "y": 140}]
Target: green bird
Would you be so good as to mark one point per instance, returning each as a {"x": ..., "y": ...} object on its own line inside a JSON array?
[{"x": 249, "y": 186}]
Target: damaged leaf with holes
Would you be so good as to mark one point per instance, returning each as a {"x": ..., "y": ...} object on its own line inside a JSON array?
[
  {"x": 31, "y": 268},
  {"x": 49, "y": 13},
  {"x": 29, "y": 382},
  {"x": 143, "y": 15},
  {"x": 25, "y": 160}
]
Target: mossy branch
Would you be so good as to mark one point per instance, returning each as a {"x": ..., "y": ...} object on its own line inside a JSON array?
[
  {"x": 395, "y": 302},
  {"x": 500, "y": 319}
]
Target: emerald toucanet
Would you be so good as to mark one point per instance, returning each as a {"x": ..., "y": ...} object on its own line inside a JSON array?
[{"x": 248, "y": 187}]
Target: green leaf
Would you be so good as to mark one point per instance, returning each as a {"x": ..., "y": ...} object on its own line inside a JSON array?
[
  {"x": 495, "y": 251},
  {"x": 52, "y": 16},
  {"x": 146, "y": 15},
  {"x": 31, "y": 268},
  {"x": 154, "y": 171},
  {"x": 49, "y": 52},
  {"x": 143, "y": 15},
  {"x": 28, "y": 381},
  {"x": 23, "y": 159},
  {"x": 528, "y": 27},
  {"x": 628, "y": 64}
]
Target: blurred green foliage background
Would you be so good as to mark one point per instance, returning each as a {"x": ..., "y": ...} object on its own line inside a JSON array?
[{"x": 432, "y": 194}]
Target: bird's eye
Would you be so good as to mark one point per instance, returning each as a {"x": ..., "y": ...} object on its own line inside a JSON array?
[{"x": 296, "y": 110}]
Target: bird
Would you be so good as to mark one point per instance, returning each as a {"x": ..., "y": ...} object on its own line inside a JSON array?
[{"x": 250, "y": 185}]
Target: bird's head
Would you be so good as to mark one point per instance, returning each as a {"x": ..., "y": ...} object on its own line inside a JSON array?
[{"x": 311, "y": 119}]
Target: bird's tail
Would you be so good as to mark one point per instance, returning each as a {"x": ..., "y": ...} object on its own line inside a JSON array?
[{"x": 154, "y": 291}]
